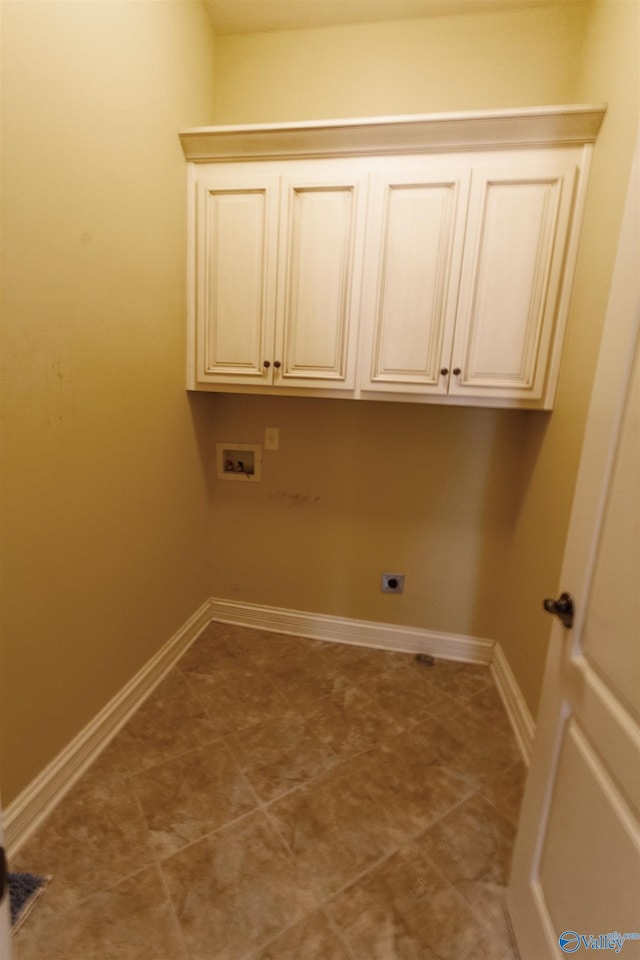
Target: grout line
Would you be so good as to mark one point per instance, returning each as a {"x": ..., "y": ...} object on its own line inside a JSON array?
[
  {"x": 173, "y": 912},
  {"x": 163, "y": 881},
  {"x": 339, "y": 932}
]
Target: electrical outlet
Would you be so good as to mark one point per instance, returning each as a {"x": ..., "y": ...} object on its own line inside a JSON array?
[{"x": 392, "y": 582}]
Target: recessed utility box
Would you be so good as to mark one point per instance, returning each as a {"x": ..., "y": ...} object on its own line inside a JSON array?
[
  {"x": 392, "y": 582},
  {"x": 238, "y": 461}
]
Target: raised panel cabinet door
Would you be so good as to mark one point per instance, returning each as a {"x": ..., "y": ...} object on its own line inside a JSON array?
[
  {"x": 319, "y": 279},
  {"x": 412, "y": 276},
  {"x": 509, "y": 307},
  {"x": 235, "y": 278}
]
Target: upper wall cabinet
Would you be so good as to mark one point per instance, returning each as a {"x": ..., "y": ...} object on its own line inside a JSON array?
[
  {"x": 423, "y": 259},
  {"x": 277, "y": 277}
]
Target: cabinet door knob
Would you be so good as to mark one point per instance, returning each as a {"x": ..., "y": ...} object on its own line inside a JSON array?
[
  {"x": 277, "y": 364},
  {"x": 266, "y": 364},
  {"x": 457, "y": 371},
  {"x": 444, "y": 371}
]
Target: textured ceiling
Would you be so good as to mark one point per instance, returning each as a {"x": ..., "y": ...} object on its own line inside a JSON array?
[{"x": 249, "y": 16}]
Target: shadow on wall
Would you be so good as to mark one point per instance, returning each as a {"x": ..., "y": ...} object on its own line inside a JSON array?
[{"x": 522, "y": 434}]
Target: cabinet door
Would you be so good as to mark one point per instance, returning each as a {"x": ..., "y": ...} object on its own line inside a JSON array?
[
  {"x": 512, "y": 273},
  {"x": 236, "y": 239},
  {"x": 411, "y": 282},
  {"x": 320, "y": 262}
]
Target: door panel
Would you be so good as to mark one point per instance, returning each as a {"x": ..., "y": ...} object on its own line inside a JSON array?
[
  {"x": 319, "y": 285},
  {"x": 412, "y": 280},
  {"x": 511, "y": 278},
  {"x": 236, "y": 278},
  {"x": 614, "y": 605},
  {"x": 577, "y": 864}
]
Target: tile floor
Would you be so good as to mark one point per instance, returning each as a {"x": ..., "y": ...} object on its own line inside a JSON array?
[{"x": 278, "y": 798}]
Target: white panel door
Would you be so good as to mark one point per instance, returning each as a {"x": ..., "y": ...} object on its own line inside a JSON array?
[
  {"x": 575, "y": 884},
  {"x": 416, "y": 230},
  {"x": 515, "y": 245},
  {"x": 236, "y": 248},
  {"x": 319, "y": 278}
]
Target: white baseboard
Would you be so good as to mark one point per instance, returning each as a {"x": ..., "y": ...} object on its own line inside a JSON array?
[
  {"x": 522, "y": 722},
  {"x": 365, "y": 633},
  {"x": 27, "y": 811}
]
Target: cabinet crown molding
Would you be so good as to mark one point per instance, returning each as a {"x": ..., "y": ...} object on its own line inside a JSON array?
[{"x": 482, "y": 129}]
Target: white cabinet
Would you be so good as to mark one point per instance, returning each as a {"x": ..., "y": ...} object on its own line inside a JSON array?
[
  {"x": 462, "y": 291},
  {"x": 423, "y": 259},
  {"x": 416, "y": 233},
  {"x": 235, "y": 290},
  {"x": 509, "y": 307},
  {"x": 278, "y": 262}
]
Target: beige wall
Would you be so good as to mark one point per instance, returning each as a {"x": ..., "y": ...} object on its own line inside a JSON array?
[
  {"x": 104, "y": 495},
  {"x": 359, "y": 488},
  {"x": 609, "y": 73},
  {"x": 510, "y": 59},
  {"x": 471, "y": 505}
]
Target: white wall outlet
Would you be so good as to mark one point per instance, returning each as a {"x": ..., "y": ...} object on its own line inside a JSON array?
[{"x": 271, "y": 438}]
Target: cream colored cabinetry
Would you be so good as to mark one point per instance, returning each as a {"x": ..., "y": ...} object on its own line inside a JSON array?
[
  {"x": 277, "y": 271},
  {"x": 516, "y": 245},
  {"x": 423, "y": 259},
  {"x": 412, "y": 276},
  {"x": 464, "y": 273}
]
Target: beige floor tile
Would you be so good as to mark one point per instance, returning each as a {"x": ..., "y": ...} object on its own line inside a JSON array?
[
  {"x": 472, "y": 844},
  {"x": 406, "y": 910},
  {"x": 488, "y": 901},
  {"x": 186, "y": 798},
  {"x": 349, "y": 721},
  {"x": 345, "y": 821},
  {"x": 263, "y": 649},
  {"x": 280, "y": 754},
  {"x": 414, "y": 790},
  {"x": 334, "y": 831},
  {"x": 91, "y": 841},
  {"x": 359, "y": 664},
  {"x": 211, "y": 652},
  {"x": 311, "y": 939},
  {"x": 239, "y": 700},
  {"x": 488, "y": 709},
  {"x": 472, "y": 847},
  {"x": 463, "y": 746},
  {"x": 170, "y": 722},
  {"x": 236, "y": 890},
  {"x": 221, "y": 643},
  {"x": 506, "y": 790},
  {"x": 407, "y": 696},
  {"x": 460, "y": 680},
  {"x": 132, "y": 921},
  {"x": 304, "y": 675}
]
